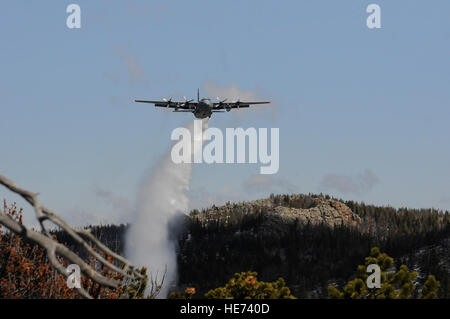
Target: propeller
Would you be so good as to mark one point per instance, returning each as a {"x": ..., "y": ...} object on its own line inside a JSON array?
[
  {"x": 186, "y": 101},
  {"x": 220, "y": 101},
  {"x": 169, "y": 101},
  {"x": 238, "y": 102}
]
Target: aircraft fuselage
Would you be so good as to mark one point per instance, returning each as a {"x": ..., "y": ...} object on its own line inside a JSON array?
[{"x": 203, "y": 109}]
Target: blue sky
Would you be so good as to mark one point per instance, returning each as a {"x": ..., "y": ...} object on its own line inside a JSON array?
[{"x": 363, "y": 114}]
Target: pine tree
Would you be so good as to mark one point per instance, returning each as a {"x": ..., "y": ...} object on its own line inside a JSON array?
[
  {"x": 394, "y": 285},
  {"x": 430, "y": 288},
  {"x": 246, "y": 286}
]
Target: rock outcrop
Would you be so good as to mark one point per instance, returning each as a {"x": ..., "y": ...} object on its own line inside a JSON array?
[
  {"x": 285, "y": 210},
  {"x": 330, "y": 212}
]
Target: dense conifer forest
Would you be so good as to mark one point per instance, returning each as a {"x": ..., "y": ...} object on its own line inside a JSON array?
[{"x": 309, "y": 256}]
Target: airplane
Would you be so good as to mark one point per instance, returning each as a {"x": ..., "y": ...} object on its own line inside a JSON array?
[{"x": 202, "y": 108}]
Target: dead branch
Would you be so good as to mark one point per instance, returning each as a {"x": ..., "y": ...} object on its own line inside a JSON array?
[{"x": 53, "y": 248}]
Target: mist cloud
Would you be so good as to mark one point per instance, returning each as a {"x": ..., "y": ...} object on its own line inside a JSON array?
[
  {"x": 268, "y": 184},
  {"x": 350, "y": 184},
  {"x": 233, "y": 93},
  {"x": 120, "y": 204},
  {"x": 204, "y": 198},
  {"x": 163, "y": 198},
  {"x": 135, "y": 71}
]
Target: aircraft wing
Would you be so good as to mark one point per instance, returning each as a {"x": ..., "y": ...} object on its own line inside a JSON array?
[
  {"x": 170, "y": 104},
  {"x": 236, "y": 105}
]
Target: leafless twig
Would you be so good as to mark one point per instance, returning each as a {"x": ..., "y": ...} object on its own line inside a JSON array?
[{"x": 53, "y": 248}]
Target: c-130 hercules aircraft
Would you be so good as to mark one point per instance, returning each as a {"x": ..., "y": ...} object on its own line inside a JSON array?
[{"x": 203, "y": 107}]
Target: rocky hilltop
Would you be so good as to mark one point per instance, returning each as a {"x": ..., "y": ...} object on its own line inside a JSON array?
[
  {"x": 279, "y": 210},
  {"x": 300, "y": 238}
]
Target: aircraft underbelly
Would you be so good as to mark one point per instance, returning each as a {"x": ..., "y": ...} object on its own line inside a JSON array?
[{"x": 202, "y": 111}]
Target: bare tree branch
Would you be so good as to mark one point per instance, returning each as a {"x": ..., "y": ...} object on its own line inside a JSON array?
[{"x": 54, "y": 248}]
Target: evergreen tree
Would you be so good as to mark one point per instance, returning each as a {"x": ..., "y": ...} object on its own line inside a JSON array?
[
  {"x": 394, "y": 285},
  {"x": 430, "y": 288},
  {"x": 246, "y": 286}
]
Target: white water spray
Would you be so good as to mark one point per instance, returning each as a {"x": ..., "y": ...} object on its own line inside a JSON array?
[{"x": 163, "y": 196}]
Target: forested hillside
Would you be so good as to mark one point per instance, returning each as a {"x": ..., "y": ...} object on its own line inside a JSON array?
[{"x": 309, "y": 240}]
